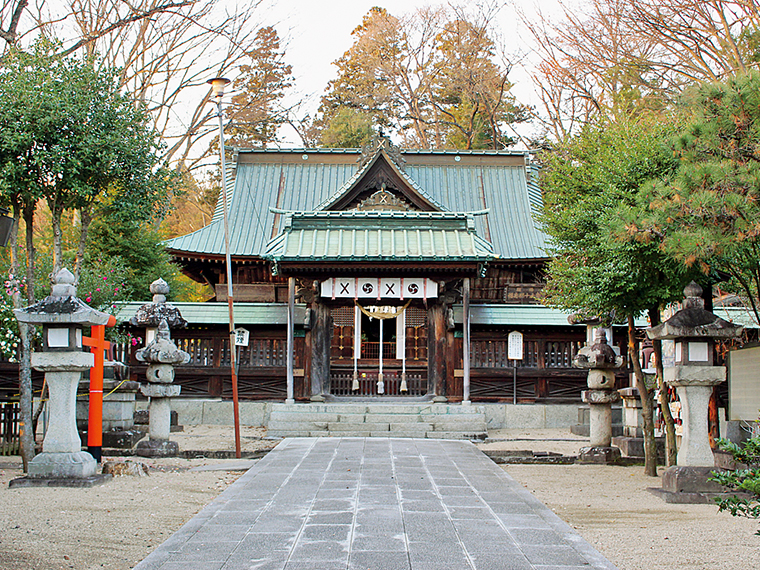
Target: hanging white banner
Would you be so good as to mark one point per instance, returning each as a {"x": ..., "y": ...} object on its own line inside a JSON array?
[{"x": 379, "y": 288}]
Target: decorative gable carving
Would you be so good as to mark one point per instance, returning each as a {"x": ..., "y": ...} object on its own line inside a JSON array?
[
  {"x": 383, "y": 199},
  {"x": 380, "y": 142}
]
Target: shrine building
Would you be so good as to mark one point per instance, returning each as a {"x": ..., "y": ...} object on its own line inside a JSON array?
[{"x": 393, "y": 275}]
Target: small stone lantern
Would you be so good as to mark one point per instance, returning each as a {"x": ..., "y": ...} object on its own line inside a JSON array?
[
  {"x": 162, "y": 355},
  {"x": 694, "y": 331},
  {"x": 602, "y": 362},
  {"x": 62, "y": 316}
]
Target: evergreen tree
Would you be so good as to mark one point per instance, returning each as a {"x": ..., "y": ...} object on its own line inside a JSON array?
[
  {"x": 591, "y": 180},
  {"x": 707, "y": 213},
  {"x": 255, "y": 112}
]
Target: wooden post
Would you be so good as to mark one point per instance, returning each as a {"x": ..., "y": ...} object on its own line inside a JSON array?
[
  {"x": 321, "y": 337},
  {"x": 466, "y": 339},
  {"x": 437, "y": 350},
  {"x": 290, "y": 399}
]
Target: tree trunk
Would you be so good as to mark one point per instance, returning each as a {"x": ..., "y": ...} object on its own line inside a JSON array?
[
  {"x": 55, "y": 218},
  {"x": 26, "y": 432},
  {"x": 647, "y": 404},
  {"x": 31, "y": 252},
  {"x": 671, "y": 447},
  {"x": 85, "y": 217}
]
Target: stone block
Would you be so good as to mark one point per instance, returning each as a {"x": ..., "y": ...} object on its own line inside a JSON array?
[
  {"x": 292, "y": 417},
  {"x": 122, "y": 439},
  {"x": 416, "y": 426},
  {"x": 471, "y": 426},
  {"x": 678, "y": 479},
  {"x": 526, "y": 416},
  {"x": 62, "y": 361},
  {"x": 189, "y": 412},
  {"x": 79, "y": 464},
  {"x": 122, "y": 468},
  {"x": 359, "y": 426},
  {"x": 254, "y": 413},
  {"x": 157, "y": 448},
  {"x": 694, "y": 375},
  {"x": 495, "y": 416},
  {"x": 599, "y": 455},
  {"x": 71, "y": 482},
  {"x": 739, "y": 431},
  {"x": 218, "y": 413},
  {"x": 160, "y": 390},
  {"x": 405, "y": 432},
  {"x": 634, "y": 446},
  {"x": 354, "y": 418},
  {"x": 561, "y": 415}
]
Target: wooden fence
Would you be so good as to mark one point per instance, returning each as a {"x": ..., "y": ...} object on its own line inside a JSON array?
[{"x": 10, "y": 442}]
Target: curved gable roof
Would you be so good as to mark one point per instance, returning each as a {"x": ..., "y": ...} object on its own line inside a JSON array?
[{"x": 310, "y": 179}]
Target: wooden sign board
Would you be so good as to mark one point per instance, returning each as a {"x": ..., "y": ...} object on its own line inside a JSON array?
[{"x": 515, "y": 346}]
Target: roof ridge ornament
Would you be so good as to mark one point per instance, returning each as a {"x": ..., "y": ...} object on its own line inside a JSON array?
[{"x": 381, "y": 143}]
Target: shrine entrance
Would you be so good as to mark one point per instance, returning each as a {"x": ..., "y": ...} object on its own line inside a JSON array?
[{"x": 379, "y": 351}]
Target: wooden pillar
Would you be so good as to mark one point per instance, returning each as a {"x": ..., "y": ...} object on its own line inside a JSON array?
[
  {"x": 437, "y": 350},
  {"x": 321, "y": 337},
  {"x": 290, "y": 399},
  {"x": 466, "y": 342}
]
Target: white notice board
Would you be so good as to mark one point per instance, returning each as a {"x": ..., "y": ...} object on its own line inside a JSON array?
[{"x": 515, "y": 346}]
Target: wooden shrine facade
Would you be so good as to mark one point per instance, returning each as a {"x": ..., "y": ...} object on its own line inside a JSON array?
[{"x": 311, "y": 228}]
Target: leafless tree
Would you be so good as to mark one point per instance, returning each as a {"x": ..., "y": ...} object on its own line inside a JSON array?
[
  {"x": 635, "y": 56},
  {"x": 165, "y": 50}
]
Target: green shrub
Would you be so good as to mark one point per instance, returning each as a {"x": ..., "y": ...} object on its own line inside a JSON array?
[{"x": 746, "y": 481}]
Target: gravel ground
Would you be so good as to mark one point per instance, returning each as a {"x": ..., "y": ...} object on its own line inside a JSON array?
[{"x": 116, "y": 525}]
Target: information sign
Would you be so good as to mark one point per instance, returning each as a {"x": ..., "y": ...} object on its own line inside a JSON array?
[{"x": 515, "y": 346}]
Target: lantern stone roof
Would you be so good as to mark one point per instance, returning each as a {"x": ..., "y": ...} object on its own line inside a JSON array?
[
  {"x": 62, "y": 306},
  {"x": 153, "y": 313},
  {"x": 694, "y": 321}
]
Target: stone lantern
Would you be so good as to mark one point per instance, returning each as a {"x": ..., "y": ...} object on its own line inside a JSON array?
[
  {"x": 62, "y": 316},
  {"x": 694, "y": 331},
  {"x": 602, "y": 362},
  {"x": 162, "y": 355}
]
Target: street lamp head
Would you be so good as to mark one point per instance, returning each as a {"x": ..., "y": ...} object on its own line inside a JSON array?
[{"x": 217, "y": 85}]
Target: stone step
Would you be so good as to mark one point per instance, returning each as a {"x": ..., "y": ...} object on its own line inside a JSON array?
[{"x": 366, "y": 419}]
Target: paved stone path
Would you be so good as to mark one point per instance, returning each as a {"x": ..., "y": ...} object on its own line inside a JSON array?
[{"x": 375, "y": 504}]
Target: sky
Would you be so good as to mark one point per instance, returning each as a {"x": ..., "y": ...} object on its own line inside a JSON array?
[{"x": 317, "y": 32}]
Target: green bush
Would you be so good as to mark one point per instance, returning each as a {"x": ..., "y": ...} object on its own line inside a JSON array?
[{"x": 746, "y": 481}]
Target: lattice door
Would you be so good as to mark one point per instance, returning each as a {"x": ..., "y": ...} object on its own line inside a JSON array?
[{"x": 342, "y": 348}]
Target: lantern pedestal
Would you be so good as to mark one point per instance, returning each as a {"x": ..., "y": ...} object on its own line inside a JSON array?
[
  {"x": 601, "y": 450},
  {"x": 159, "y": 422},
  {"x": 694, "y": 385}
]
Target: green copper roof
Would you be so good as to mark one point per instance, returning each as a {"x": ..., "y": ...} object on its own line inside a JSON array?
[
  {"x": 332, "y": 236},
  {"x": 523, "y": 315},
  {"x": 218, "y": 313},
  {"x": 301, "y": 180}
]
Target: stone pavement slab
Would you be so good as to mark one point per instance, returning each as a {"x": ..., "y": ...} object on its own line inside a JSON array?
[{"x": 375, "y": 504}]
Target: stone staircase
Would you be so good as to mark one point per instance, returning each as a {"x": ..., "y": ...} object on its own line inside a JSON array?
[{"x": 363, "y": 419}]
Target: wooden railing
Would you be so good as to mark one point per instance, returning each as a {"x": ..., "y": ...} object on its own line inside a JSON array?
[
  {"x": 536, "y": 354},
  {"x": 215, "y": 352}
]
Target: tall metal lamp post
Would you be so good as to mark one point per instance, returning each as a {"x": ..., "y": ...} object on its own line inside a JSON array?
[{"x": 217, "y": 89}]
